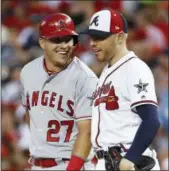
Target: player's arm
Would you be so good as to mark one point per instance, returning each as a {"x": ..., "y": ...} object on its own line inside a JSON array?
[
  {"x": 82, "y": 145},
  {"x": 141, "y": 91},
  {"x": 145, "y": 133},
  {"x": 27, "y": 118},
  {"x": 83, "y": 112}
]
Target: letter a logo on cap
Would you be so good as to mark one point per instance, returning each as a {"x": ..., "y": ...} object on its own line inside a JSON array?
[{"x": 95, "y": 21}]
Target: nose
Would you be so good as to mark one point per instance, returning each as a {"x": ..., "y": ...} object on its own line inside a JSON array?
[
  {"x": 64, "y": 44},
  {"x": 92, "y": 42}
]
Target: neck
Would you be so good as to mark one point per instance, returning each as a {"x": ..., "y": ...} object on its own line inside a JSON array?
[
  {"x": 51, "y": 67},
  {"x": 117, "y": 56}
]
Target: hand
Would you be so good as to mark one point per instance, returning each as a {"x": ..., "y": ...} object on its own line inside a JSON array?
[{"x": 126, "y": 164}]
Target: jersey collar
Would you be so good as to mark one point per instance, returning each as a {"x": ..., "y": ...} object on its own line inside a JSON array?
[
  {"x": 50, "y": 73},
  {"x": 129, "y": 55},
  {"x": 46, "y": 69}
]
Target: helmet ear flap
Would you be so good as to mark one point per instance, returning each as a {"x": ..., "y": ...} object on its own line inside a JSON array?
[{"x": 75, "y": 40}]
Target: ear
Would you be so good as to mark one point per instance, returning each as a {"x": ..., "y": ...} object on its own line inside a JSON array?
[
  {"x": 42, "y": 43},
  {"x": 121, "y": 37}
]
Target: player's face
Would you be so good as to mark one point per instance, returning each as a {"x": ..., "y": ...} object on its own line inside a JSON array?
[
  {"x": 58, "y": 50},
  {"x": 104, "y": 49}
]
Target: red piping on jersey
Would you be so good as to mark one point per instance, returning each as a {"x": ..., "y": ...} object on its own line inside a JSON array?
[
  {"x": 54, "y": 72},
  {"x": 96, "y": 139},
  {"x": 144, "y": 101},
  {"x": 46, "y": 69},
  {"x": 84, "y": 117}
]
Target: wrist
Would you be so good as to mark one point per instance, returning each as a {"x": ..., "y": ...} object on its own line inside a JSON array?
[
  {"x": 132, "y": 158},
  {"x": 126, "y": 164},
  {"x": 76, "y": 163}
]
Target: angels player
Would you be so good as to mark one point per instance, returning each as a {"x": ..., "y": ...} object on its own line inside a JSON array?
[
  {"x": 124, "y": 110},
  {"x": 56, "y": 91}
]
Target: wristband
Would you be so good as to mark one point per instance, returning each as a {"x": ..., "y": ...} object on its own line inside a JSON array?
[{"x": 75, "y": 163}]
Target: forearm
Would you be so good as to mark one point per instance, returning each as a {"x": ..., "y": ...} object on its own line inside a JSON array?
[
  {"x": 27, "y": 118},
  {"x": 82, "y": 145},
  {"x": 142, "y": 140},
  {"x": 146, "y": 132}
]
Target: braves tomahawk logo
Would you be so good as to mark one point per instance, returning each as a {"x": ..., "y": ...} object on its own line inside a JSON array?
[{"x": 106, "y": 94}]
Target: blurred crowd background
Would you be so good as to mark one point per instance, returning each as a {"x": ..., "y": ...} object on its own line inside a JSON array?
[{"x": 148, "y": 38}]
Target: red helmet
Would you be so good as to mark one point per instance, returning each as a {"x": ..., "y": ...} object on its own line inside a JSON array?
[{"x": 57, "y": 25}]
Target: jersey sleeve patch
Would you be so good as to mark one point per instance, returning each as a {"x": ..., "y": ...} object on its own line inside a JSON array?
[{"x": 141, "y": 86}]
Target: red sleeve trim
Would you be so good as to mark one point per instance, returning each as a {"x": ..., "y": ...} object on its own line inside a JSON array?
[
  {"x": 143, "y": 102},
  {"x": 84, "y": 117},
  {"x": 25, "y": 106}
]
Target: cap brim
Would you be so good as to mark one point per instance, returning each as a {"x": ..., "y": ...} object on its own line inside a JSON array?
[
  {"x": 96, "y": 33},
  {"x": 61, "y": 33}
]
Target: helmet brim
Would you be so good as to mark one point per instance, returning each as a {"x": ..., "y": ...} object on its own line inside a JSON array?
[{"x": 61, "y": 33}]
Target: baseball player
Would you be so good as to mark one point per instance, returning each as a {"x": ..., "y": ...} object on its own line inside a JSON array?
[
  {"x": 124, "y": 113},
  {"x": 57, "y": 89}
]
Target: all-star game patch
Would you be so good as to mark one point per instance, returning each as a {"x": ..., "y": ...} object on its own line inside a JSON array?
[{"x": 141, "y": 86}]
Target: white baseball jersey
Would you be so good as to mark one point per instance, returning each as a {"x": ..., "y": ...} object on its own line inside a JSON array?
[
  {"x": 121, "y": 87},
  {"x": 55, "y": 104}
]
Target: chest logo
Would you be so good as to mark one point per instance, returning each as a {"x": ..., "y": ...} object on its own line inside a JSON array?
[
  {"x": 50, "y": 100},
  {"x": 106, "y": 94}
]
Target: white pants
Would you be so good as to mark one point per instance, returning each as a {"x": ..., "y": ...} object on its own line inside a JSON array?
[
  {"x": 101, "y": 163},
  {"x": 63, "y": 165}
]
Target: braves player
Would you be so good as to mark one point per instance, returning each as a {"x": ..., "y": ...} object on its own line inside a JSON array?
[
  {"x": 56, "y": 92},
  {"x": 124, "y": 113}
]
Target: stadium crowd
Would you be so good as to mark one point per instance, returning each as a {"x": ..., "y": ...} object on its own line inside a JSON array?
[{"x": 148, "y": 38}]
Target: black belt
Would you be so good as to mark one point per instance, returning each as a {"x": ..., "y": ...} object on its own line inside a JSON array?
[{"x": 100, "y": 153}]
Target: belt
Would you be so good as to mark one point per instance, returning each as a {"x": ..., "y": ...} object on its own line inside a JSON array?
[
  {"x": 100, "y": 153},
  {"x": 46, "y": 162}
]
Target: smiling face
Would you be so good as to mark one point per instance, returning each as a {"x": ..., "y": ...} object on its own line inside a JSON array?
[{"x": 58, "y": 50}]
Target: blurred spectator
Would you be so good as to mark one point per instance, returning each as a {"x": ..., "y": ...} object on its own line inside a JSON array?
[
  {"x": 38, "y": 7},
  {"x": 12, "y": 156},
  {"x": 161, "y": 81},
  {"x": 147, "y": 37},
  {"x": 17, "y": 19},
  {"x": 29, "y": 36},
  {"x": 4, "y": 34},
  {"x": 23, "y": 129},
  {"x": 11, "y": 90}
]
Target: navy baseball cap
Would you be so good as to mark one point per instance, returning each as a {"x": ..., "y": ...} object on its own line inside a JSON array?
[{"x": 106, "y": 22}]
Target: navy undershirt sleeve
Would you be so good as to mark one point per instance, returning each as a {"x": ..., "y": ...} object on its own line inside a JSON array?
[{"x": 145, "y": 133}]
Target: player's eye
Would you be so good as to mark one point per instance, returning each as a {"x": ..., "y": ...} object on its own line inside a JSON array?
[
  {"x": 98, "y": 38},
  {"x": 59, "y": 40}
]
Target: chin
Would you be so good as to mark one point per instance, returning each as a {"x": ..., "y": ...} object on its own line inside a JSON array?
[
  {"x": 60, "y": 64},
  {"x": 100, "y": 58}
]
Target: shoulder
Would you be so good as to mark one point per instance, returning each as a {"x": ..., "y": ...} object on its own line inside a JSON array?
[
  {"x": 31, "y": 66},
  {"x": 137, "y": 65},
  {"x": 83, "y": 69}
]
